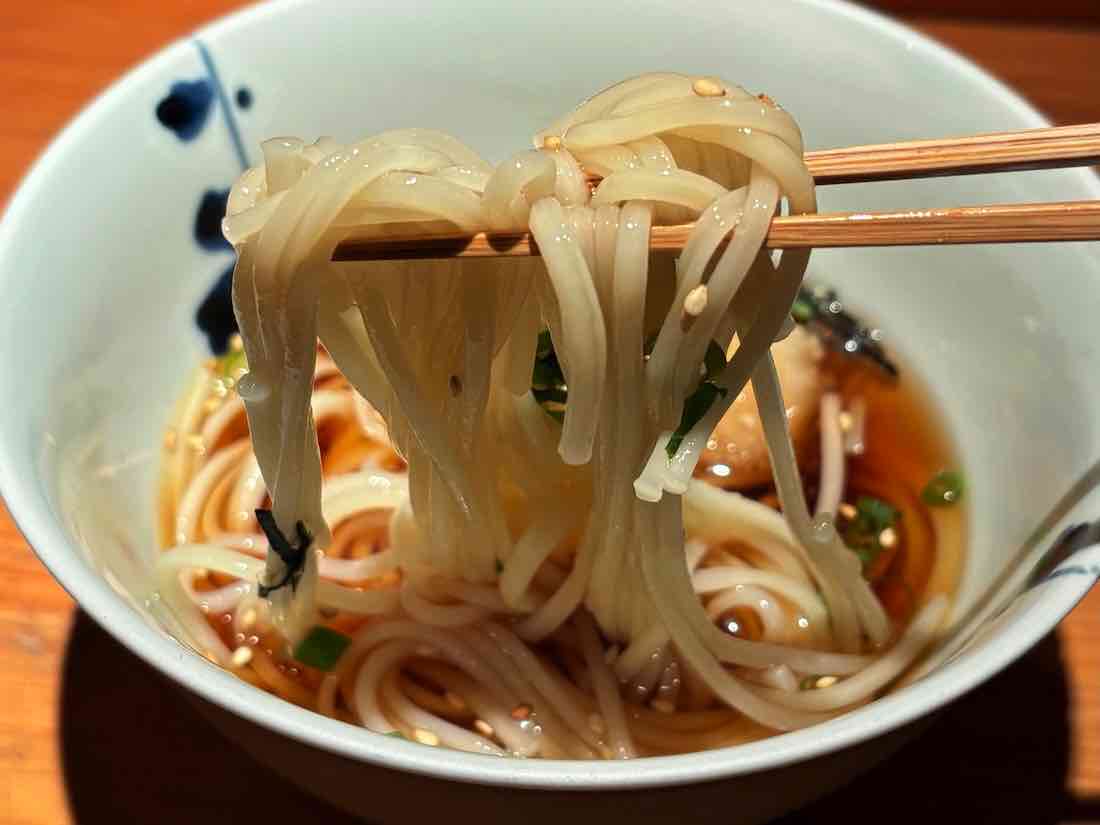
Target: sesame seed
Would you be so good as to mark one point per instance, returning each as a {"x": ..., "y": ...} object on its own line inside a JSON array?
[
  {"x": 248, "y": 618},
  {"x": 236, "y": 343},
  {"x": 242, "y": 656},
  {"x": 696, "y": 301},
  {"x": 483, "y": 727},
  {"x": 848, "y": 511},
  {"x": 425, "y": 737},
  {"x": 888, "y": 537},
  {"x": 708, "y": 87},
  {"x": 826, "y": 681}
]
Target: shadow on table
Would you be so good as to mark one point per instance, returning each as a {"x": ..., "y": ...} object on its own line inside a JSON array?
[{"x": 133, "y": 752}]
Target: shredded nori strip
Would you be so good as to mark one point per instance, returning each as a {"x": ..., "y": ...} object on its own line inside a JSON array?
[
  {"x": 294, "y": 557},
  {"x": 821, "y": 312}
]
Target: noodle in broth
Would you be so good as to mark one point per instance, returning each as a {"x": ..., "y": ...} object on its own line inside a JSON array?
[{"x": 499, "y": 582}]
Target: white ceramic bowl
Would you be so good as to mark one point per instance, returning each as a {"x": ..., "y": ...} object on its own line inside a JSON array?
[{"x": 102, "y": 274}]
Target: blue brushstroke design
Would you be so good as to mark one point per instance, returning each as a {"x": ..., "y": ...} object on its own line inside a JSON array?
[
  {"x": 215, "y": 314},
  {"x": 208, "y": 221},
  {"x": 186, "y": 108},
  {"x": 223, "y": 102},
  {"x": 1092, "y": 571},
  {"x": 244, "y": 97}
]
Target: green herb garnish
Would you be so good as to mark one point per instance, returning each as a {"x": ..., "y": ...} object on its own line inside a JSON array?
[
  {"x": 547, "y": 379},
  {"x": 699, "y": 402},
  {"x": 545, "y": 346},
  {"x": 551, "y": 392},
  {"x": 809, "y": 683},
  {"x": 396, "y": 734},
  {"x": 714, "y": 361},
  {"x": 945, "y": 489},
  {"x": 322, "y": 648},
  {"x": 695, "y": 407},
  {"x": 803, "y": 310},
  {"x": 231, "y": 362},
  {"x": 863, "y": 534},
  {"x": 294, "y": 557}
]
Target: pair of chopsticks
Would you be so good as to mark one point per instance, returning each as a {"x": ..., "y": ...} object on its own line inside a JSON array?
[{"x": 1050, "y": 148}]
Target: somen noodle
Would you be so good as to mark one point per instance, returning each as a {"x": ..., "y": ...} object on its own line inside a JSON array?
[{"x": 414, "y": 542}]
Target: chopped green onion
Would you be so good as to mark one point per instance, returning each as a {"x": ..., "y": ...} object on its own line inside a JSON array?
[
  {"x": 396, "y": 734},
  {"x": 545, "y": 375},
  {"x": 547, "y": 380},
  {"x": 695, "y": 407},
  {"x": 803, "y": 310},
  {"x": 550, "y": 391},
  {"x": 945, "y": 489},
  {"x": 232, "y": 361},
  {"x": 809, "y": 683},
  {"x": 714, "y": 361},
  {"x": 863, "y": 533},
  {"x": 545, "y": 346},
  {"x": 322, "y": 648},
  {"x": 699, "y": 402},
  {"x": 875, "y": 513}
]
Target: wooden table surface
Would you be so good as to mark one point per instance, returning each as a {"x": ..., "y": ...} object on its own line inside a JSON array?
[{"x": 77, "y": 711}]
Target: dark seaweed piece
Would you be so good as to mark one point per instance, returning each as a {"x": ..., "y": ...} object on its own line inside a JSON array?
[
  {"x": 294, "y": 557},
  {"x": 821, "y": 311}
]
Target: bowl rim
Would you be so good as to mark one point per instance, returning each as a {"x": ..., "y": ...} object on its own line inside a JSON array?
[{"x": 39, "y": 525}]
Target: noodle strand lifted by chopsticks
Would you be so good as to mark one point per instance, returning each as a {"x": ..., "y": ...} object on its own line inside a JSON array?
[{"x": 513, "y": 529}]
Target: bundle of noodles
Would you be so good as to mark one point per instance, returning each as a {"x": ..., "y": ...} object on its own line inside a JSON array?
[{"x": 514, "y": 528}]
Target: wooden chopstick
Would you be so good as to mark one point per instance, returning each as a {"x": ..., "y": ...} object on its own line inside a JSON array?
[
  {"x": 973, "y": 154},
  {"x": 998, "y": 223},
  {"x": 970, "y": 155}
]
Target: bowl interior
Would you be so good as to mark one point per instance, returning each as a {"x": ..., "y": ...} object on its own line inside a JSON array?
[{"x": 106, "y": 258}]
